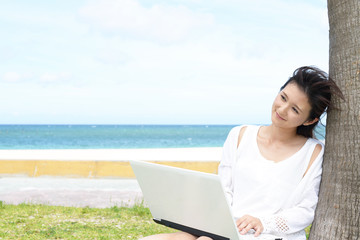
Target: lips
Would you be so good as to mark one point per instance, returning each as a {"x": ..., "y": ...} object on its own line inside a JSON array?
[{"x": 281, "y": 118}]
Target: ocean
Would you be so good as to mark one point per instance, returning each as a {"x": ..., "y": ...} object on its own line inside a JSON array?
[{"x": 114, "y": 136}]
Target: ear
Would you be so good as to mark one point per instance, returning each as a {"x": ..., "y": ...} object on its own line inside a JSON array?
[{"x": 309, "y": 122}]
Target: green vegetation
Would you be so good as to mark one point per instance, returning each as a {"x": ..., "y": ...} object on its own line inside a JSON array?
[
  {"x": 30, "y": 221},
  {"x": 307, "y": 230}
]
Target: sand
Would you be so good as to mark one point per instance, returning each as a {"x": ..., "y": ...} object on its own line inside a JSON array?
[
  {"x": 95, "y": 178},
  {"x": 158, "y": 154},
  {"x": 102, "y": 163}
]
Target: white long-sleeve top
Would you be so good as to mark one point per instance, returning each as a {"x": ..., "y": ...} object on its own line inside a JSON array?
[{"x": 277, "y": 193}]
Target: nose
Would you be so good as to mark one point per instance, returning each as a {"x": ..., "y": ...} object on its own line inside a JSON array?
[{"x": 282, "y": 110}]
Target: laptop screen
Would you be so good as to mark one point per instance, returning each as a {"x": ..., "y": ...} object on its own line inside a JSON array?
[{"x": 187, "y": 200}]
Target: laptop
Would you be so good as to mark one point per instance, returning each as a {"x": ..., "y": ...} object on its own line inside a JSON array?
[{"x": 186, "y": 200}]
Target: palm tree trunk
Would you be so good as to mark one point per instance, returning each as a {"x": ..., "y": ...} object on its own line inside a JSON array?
[{"x": 338, "y": 213}]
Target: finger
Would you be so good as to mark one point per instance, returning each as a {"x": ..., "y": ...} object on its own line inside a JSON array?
[
  {"x": 238, "y": 222},
  {"x": 241, "y": 220},
  {"x": 258, "y": 231},
  {"x": 243, "y": 225},
  {"x": 246, "y": 229}
]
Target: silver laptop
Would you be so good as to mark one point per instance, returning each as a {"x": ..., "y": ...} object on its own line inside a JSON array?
[{"x": 186, "y": 200}]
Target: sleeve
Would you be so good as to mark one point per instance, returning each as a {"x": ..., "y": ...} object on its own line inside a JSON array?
[
  {"x": 227, "y": 162},
  {"x": 300, "y": 210}
]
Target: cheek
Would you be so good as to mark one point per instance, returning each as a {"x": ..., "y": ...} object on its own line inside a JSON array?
[
  {"x": 299, "y": 119},
  {"x": 277, "y": 101}
]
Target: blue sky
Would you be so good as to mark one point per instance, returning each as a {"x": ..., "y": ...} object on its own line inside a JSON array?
[{"x": 153, "y": 62}]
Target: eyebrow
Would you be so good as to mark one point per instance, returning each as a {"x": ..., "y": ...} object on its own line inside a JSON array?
[{"x": 296, "y": 106}]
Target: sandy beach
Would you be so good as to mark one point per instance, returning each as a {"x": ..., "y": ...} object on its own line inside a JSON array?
[
  {"x": 149, "y": 154},
  {"x": 102, "y": 163},
  {"x": 94, "y": 178}
]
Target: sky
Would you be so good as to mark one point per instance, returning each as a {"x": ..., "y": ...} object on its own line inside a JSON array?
[{"x": 153, "y": 62}]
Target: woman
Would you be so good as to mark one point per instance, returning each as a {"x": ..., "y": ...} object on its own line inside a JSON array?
[{"x": 271, "y": 174}]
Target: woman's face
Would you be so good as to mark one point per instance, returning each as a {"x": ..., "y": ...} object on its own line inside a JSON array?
[{"x": 291, "y": 107}]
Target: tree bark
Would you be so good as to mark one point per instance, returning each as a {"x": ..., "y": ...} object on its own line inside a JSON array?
[{"x": 337, "y": 215}]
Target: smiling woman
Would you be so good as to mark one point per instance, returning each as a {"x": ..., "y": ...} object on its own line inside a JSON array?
[
  {"x": 317, "y": 87},
  {"x": 271, "y": 174},
  {"x": 291, "y": 106}
]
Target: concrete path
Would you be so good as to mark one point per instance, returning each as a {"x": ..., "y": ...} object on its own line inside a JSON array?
[{"x": 98, "y": 193}]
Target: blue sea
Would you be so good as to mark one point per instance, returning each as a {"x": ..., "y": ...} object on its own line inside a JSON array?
[{"x": 114, "y": 136}]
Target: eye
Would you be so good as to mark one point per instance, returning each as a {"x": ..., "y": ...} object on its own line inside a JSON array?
[
  {"x": 295, "y": 110},
  {"x": 283, "y": 97}
]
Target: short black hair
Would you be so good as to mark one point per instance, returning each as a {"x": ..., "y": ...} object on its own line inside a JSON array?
[{"x": 319, "y": 88}]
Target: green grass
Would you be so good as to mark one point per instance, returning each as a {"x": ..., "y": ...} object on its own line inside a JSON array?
[
  {"x": 307, "y": 230},
  {"x": 30, "y": 221}
]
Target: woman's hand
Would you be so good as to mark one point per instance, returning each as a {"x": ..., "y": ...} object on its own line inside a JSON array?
[{"x": 247, "y": 222}]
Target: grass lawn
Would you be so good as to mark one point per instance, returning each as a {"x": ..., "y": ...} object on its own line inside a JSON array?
[{"x": 30, "y": 221}]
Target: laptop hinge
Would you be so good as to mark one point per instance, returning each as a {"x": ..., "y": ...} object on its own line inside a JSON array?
[{"x": 190, "y": 230}]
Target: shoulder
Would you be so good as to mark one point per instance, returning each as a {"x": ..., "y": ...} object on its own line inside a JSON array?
[
  {"x": 239, "y": 130},
  {"x": 317, "y": 146},
  {"x": 317, "y": 151},
  {"x": 237, "y": 133},
  {"x": 316, "y": 141}
]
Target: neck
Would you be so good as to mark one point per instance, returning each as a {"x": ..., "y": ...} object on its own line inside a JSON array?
[{"x": 275, "y": 133}]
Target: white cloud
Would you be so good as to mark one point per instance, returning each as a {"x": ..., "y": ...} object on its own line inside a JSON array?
[
  {"x": 255, "y": 41},
  {"x": 54, "y": 77},
  {"x": 160, "y": 22},
  {"x": 222, "y": 59},
  {"x": 11, "y": 77},
  {"x": 32, "y": 78},
  {"x": 110, "y": 55}
]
